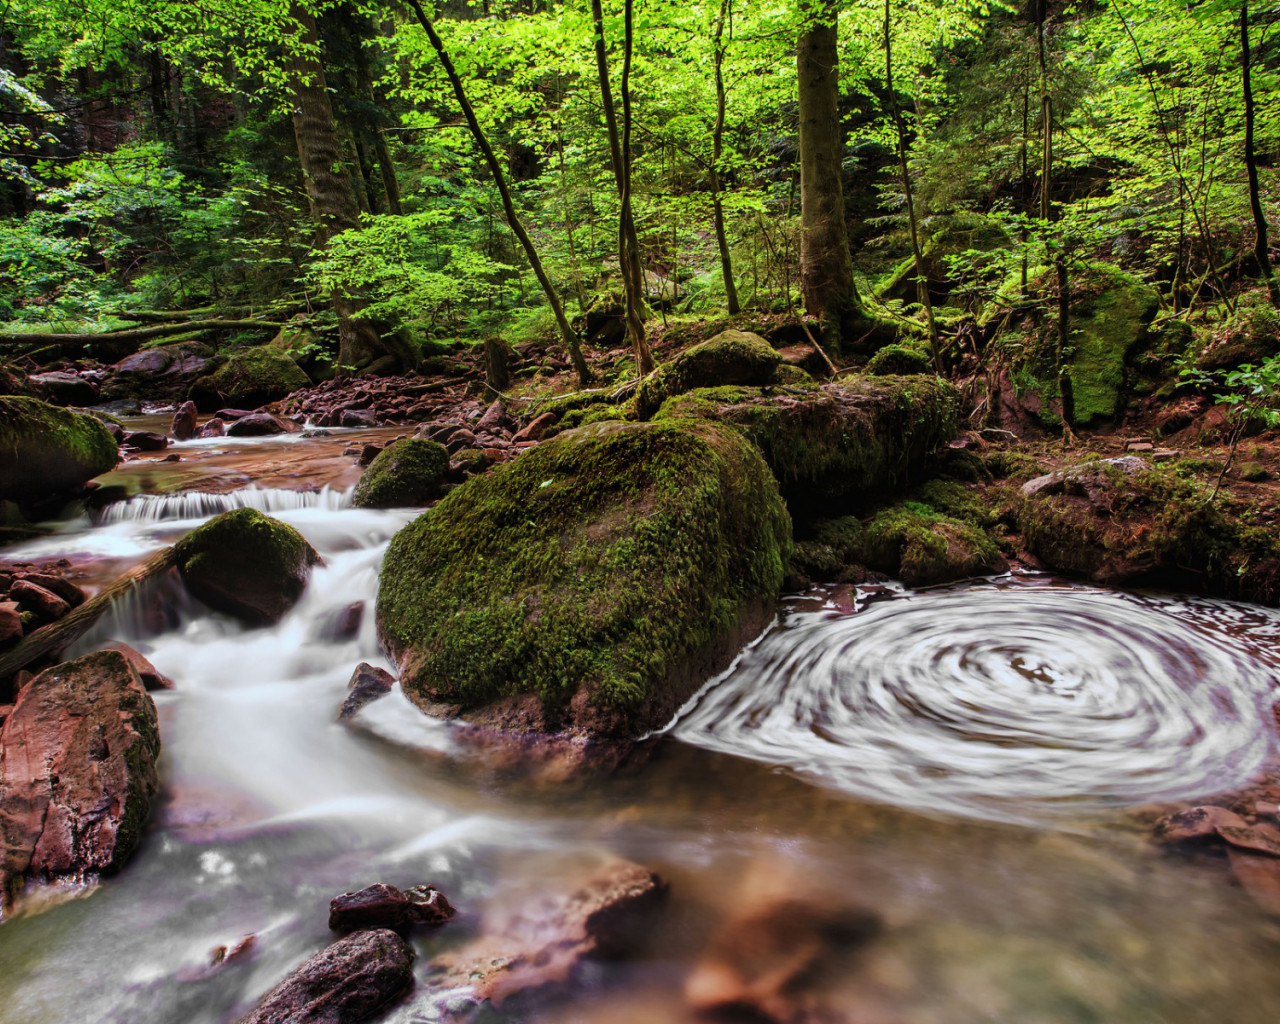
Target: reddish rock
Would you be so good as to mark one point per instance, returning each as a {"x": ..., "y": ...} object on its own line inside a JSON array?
[
  {"x": 346, "y": 624},
  {"x": 384, "y": 906},
  {"x": 183, "y": 427},
  {"x": 146, "y": 441},
  {"x": 367, "y": 685},
  {"x": 1259, "y": 876},
  {"x": 66, "y": 388},
  {"x": 459, "y": 439},
  {"x": 358, "y": 418},
  {"x": 539, "y": 943},
  {"x": 1196, "y": 824},
  {"x": 261, "y": 424},
  {"x": 34, "y": 598},
  {"x": 59, "y": 585},
  {"x": 77, "y": 770},
  {"x": 151, "y": 677},
  {"x": 10, "y": 625},
  {"x": 368, "y": 453},
  {"x": 534, "y": 430},
  {"x": 495, "y": 416},
  {"x": 346, "y": 982},
  {"x": 213, "y": 428},
  {"x": 1258, "y": 838}
]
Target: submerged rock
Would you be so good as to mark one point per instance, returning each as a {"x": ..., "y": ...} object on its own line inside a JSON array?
[
  {"x": 405, "y": 474},
  {"x": 731, "y": 357},
  {"x": 77, "y": 770},
  {"x": 591, "y": 585},
  {"x": 834, "y": 442},
  {"x": 538, "y": 943},
  {"x": 249, "y": 379},
  {"x": 246, "y": 564},
  {"x": 384, "y": 906},
  {"x": 260, "y": 424},
  {"x": 46, "y": 451},
  {"x": 344, "y": 983}
]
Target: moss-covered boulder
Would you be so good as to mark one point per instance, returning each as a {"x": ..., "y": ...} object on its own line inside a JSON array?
[
  {"x": 837, "y": 441},
  {"x": 299, "y": 341},
  {"x": 898, "y": 360},
  {"x": 403, "y": 475},
  {"x": 1116, "y": 524},
  {"x": 246, "y": 564},
  {"x": 46, "y": 451},
  {"x": 731, "y": 357},
  {"x": 249, "y": 379},
  {"x": 590, "y": 586}
]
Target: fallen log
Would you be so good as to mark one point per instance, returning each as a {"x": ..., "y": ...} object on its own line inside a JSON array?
[
  {"x": 61, "y": 634},
  {"x": 138, "y": 334}
]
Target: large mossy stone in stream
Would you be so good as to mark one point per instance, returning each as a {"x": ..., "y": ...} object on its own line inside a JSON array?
[
  {"x": 731, "y": 357},
  {"x": 77, "y": 771},
  {"x": 835, "y": 442},
  {"x": 246, "y": 564},
  {"x": 590, "y": 586},
  {"x": 249, "y": 379},
  {"x": 405, "y": 474},
  {"x": 46, "y": 451}
]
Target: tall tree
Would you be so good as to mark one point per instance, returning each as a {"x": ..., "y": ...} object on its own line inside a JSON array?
[
  {"x": 1260, "y": 247},
  {"x": 717, "y": 154},
  {"x": 567, "y": 332},
  {"x": 620, "y": 158}
]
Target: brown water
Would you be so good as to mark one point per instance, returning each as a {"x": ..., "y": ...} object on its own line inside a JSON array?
[{"x": 962, "y": 762}]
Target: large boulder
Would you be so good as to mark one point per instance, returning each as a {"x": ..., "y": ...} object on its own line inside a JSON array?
[
  {"x": 299, "y": 341},
  {"x": 246, "y": 564},
  {"x": 249, "y": 379},
  {"x": 591, "y": 585},
  {"x": 63, "y": 387},
  {"x": 347, "y": 982},
  {"x": 403, "y": 475},
  {"x": 163, "y": 373},
  {"x": 46, "y": 451},
  {"x": 77, "y": 770},
  {"x": 836, "y": 442},
  {"x": 731, "y": 357}
]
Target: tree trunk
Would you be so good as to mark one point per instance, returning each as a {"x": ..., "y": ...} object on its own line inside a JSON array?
[
  {"x": 329, "y": 190},
  {"x": 922, "y": 284},
  {"x": 826, "y": 268},
  {"x": 620, "y": 157},
  {"x": 386, "y": 167},
  {"x": 508, "y": 205},
  {"x": 717, "y": 151},
  {"x": 1260, "y": 248}
]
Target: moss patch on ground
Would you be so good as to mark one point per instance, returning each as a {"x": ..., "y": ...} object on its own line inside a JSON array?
[
  {"x": 46, "y": 450},
  {"x": 590, "y": 578}
]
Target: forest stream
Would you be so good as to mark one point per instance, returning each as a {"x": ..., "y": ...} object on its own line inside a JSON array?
[{"x": 962, "y": 762}]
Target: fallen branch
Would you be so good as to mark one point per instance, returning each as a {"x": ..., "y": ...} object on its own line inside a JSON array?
[
  {"x": 61, "y": 634},
  {"x": 138, "y": 334}
]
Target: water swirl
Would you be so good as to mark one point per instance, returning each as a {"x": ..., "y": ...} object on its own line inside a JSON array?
[{"x": 1015, "y": 702}]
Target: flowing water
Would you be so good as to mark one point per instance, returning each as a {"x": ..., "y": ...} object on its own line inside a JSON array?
[{"x": 961, "y": 761}]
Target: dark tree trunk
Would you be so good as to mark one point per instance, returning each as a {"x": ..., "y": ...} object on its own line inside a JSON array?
[
  {"x": 1260, "y": 248},
  {"x": 826, "y": 268},
  {"x": 620, "y": 157},
  {"x": 717, "y": 152},
  {"x": 329, "y": 190},
  {"x": 508, "y": 204}
]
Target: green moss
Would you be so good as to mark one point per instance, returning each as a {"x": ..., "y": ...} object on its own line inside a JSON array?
[
  {"x": 793, "y": 376},
  {"x": 914, "y": 541},
  {"x": 1109, "y": 325},
  {"x": 46, "y": 450},
  {"x": 246, "y": 564},
  {"x": 601, "y": 562},
  {"x": 1251, "y": 335},
  {"x": 898, "y": 359},
  {"x": 834, "y": 442},
  {"x": 1017, "y": 466},
  {"x": 957, "y": 501},
  {"x": 731, "y": 357},
  {"x": 405, "y": 474},
  {"x": 249, "y": 379}
]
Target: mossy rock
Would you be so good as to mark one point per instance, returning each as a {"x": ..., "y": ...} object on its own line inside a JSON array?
[
  {"x": 1251, "y": 336},
  {"x": 835, "y": 442},
  {"x": 300, "y": 342},
  {"x": 405, "y": 474},
  {"x": 898, "y": 360},
  {"x": 948, "y": 236},
  {"x": 249, "y": 379},
  {"x": 731, "y": 357},
  {"x": 47, "y": 451},
  {"x": 922, "y": 547},
  {"x": 590, "y": 586},
  {"x": 246, "y": 564},
  {"x": 1153, "y": 526}
]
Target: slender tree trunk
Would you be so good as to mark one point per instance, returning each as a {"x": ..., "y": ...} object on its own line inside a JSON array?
[
  {"x": 386, "y": 166},
  {"x": 329, "y": 190},
  {"x": 508, "y": 205},
  {"x": 922, "y": 284},
  {"x": 717, "y": 152},
  {"x": 1066, "y": 394},
  {"x": 1260, "y": 247},
  {"x": 826, "y": 268},
  {"x": 620, "y": 157}
]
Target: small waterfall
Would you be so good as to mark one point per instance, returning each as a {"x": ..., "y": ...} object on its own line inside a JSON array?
[{"x": 201, "y": 504}]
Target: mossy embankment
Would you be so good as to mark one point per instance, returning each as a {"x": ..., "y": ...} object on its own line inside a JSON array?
[{"x": 47, "y": 451}]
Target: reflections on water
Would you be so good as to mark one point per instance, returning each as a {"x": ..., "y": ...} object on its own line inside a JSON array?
[
  {"x": 998, "y": 701},
  {"x": 1011, "y": 701}
]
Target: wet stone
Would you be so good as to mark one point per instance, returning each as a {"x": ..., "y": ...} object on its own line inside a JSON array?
[
  {"x": 384, "y": 906},
  {"x": 1196, "y": 824},
  {"x": 367, "y": 685}
]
